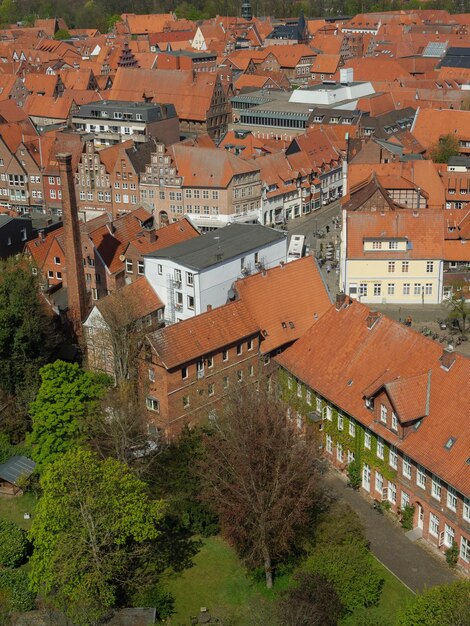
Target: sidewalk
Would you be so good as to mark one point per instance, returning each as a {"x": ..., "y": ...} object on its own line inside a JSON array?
[{"x": 413, "y": 565}]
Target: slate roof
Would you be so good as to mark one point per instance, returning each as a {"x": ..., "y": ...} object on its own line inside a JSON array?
[
  {"x": 15, "y": 468},
  {"x": 216, "y": 247}
]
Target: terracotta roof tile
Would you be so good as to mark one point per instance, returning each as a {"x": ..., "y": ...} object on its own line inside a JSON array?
[
  {"x": 203, "y": 334},
  {"x": 352, "y": 358},
  {"x": 140, "y": 296},
  {"x": 285, "y": 301}
]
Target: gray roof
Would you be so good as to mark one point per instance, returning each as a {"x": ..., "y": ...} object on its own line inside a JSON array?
[
  {"x": 15, "y": 468},
  {"x": 218, "y": 246}
]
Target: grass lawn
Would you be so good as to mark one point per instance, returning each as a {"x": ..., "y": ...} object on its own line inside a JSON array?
[
  {"x": 12, "y": 508},
  {"x": 218, "y": 581}
]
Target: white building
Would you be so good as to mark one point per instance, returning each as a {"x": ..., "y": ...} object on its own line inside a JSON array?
[{"x": 193, "y": 275}]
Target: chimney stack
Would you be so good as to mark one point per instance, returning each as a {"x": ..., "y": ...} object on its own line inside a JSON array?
[
  {"x": 448, "y": 357},
  {"x": 340, "y": 300},
  {"x": 372, "y": 319},
  {"x": 76, "y": 288},
  {"x": 209, "y": 307}
]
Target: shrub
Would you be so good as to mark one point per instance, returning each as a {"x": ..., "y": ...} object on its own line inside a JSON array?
[
  {"x": 14, "y": 590},
  {"x": 452, "y": 554},
  {"x": 354, "y": 474},
  {"x": 447, "y": 605},
  {"x": 340, "y": 525},
  {"x": 407, "y": 516},
  {"x": 351, "y": 569},
  {"x": 155, "y": 597},
  {"x": 312, "y": 601},
  {"x": 13, "y": 544}
]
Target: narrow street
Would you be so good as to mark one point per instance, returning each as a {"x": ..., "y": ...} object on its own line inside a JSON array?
[{"x": 415, "y": 566}]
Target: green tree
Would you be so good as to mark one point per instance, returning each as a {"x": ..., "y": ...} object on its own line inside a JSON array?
[
  {"x": 446, "y": 147},
  {"x": 350, "y": 568},
  {"x": 175, "y": 480},
  {"x": 15, "y": 594},
  {"x": 92, "y": 532},
  {"x": 459, "y": 309},
  {"x": 66, "y": 396},
  {"x": 447, "y": 605},
  {"x": 62, "y": 34},
  {"x": 13, "y": 544},
  {"x": 27, "y": 336}
]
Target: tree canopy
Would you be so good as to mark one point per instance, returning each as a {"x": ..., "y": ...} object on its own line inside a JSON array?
[
  {"x": 67, "y": 393},
  {"x": 447, "y": 605},
  {"x": 27, "y": 336},
  {"x": 90, "y": 533},
  {"x": 446, "y": 147},
  {"x": 261, "y": 476}
]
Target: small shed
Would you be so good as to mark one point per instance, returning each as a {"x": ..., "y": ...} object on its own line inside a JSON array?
[{"x": 12, "y": 472}]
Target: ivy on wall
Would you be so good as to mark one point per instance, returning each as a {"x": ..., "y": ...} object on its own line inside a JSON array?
[{"x": 297, "y": 394}]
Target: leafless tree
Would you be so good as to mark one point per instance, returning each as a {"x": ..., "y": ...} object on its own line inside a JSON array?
[
  {"x": 119, "y": 429},
  {"x": 117, "y": 336},
  {"x": 261, "y": 474}
]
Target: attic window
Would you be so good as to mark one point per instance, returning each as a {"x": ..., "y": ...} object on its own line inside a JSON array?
[
  {"x": 350, "y": 382},
  {"x": 264, "y": 333},
  {"x": 291, "y": 324},
  {"x": 450, "y": 442},
  {"x": 417, "y": 425},
  {"x": 468, "y": 461},
  {"x": 284, "y": 325}
]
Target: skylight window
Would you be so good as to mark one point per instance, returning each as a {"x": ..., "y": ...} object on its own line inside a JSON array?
[{"x": 449, "y": 443}]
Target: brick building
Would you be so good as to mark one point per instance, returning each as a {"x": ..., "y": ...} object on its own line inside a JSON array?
[
  {"x": 108, "y": 180},
  {"x": 394, "y": 401},
  {"x": 184, "y": 379},
  {"x": 212, "y": 186}
]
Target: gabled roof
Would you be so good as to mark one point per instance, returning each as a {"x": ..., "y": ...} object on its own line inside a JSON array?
[
  {"x": 203, "y": 334},
  {"x": 285, "y": 301},
  {"x": 15, "y": 468},
  {"x": 341, "y": 357},
  {"x": 150, "y": 241},
  {"x": 423, "y": 230},
  {"x": 140, "y": 297}
]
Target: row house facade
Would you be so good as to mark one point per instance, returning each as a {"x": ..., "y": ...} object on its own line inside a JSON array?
[
  {"x": 394, "y": 410},
  {"x": 21, "y": 185},
  {"x": 211, "y": 186},
  {"x": 108, "y": 180},
  {"x": 184, "y": 381}
]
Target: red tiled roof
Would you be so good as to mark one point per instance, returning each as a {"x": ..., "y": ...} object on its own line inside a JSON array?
[
  {"x": 203, "y": 334},
  {"x": 284, "y": 301},
  {"x": 341, "y": 358},
  {"x": 140, "y": 296},
  {"x": 424, "y": 230}
]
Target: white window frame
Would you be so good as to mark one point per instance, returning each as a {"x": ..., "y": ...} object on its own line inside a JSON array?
[
  {"x": 380, "y": 448},
  {"x": 352, "y": 428},
  {"x": 153, "y": 404},
  {"x": 383, "y": 413},
  {"x": 406, "y": 467},
  {"x": 436, "y": 488},
  {"x": 451, "y": 498},
  {"x": 340, "y": 422},
  {"x": 466, "y": 509},
  {"x": 433, "y": 525},
  {"x": 393, "y": 457},
  {"x": 367, "y": 440},
  {"x": 394, "y": 421},
  {"x": 421, "y": 477},
  {"x": 465, "y": 549},
  {"x": 449, "y": 535},
  {"x": 329, "y": 444},
  {"x": 392, "y": 492}
]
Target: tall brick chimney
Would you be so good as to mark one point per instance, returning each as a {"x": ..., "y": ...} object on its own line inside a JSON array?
[{"x": 76, "y": 287}]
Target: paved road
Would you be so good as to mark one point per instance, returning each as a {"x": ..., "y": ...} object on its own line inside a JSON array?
[{"x": 413, "y": 565}]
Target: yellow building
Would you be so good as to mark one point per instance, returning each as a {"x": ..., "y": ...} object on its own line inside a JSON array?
[{"x": 391, "y": 254}]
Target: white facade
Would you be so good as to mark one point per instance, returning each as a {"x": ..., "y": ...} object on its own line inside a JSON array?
[
  {"x": 328, "y": 96},
  {"x": 187, "y": 291}
]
